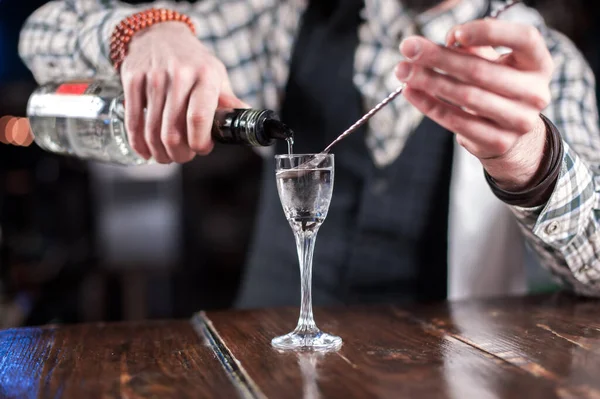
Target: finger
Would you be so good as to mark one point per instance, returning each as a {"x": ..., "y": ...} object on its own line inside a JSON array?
[
  {"x": 133, "y": 90},
  {"x": 201, "y": 109},
  {"x": 528, "y": 45},
  {"x": 475, "y": 71},
  {"x": 504, "y": 112},
  {"x": 481, "y": 137},
  {"x": 173, "y": 132},
  {"x": 451, "y": 38},
  {"x": 156, "y": 91},
  {"x": 227, "y": 99},
  {"x": 231, "y": 101},
  {"x": 485, "y": 52}
]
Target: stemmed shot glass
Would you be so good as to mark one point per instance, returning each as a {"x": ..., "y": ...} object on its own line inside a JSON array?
[{"x": 305, "y": 194}]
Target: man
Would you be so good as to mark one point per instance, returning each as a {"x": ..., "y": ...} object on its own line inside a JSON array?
[{"x": 413, "y": 216}]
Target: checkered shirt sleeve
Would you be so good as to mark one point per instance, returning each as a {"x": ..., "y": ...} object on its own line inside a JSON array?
[
  {"x": 69, "y": 39},
  {"x": 565, "y": 232}
]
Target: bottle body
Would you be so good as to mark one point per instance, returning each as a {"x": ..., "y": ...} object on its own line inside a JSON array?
[
  {"x": 86, "y": 119},
  {"x": 82, "y": 119}
]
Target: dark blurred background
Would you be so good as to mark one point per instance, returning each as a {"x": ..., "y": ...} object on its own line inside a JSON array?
[{"x": 82, "y": 241}]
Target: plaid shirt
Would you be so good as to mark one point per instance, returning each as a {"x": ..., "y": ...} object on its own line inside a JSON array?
[{"x": 253, "y": 38}]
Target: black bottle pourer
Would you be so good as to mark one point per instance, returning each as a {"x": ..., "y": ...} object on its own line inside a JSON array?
[{"x": 253, "y": 127}]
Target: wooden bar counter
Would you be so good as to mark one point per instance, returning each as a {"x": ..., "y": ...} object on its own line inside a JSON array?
[{"x": 531, "y": 347}]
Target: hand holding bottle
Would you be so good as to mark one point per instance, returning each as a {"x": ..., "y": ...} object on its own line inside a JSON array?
[{"x": 180, "y": 83}]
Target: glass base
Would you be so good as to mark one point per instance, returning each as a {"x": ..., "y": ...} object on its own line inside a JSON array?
[{"x": 317, "y": 341}]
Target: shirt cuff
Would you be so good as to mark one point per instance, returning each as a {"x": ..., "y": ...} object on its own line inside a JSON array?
[{"x": 548, "y": 174}]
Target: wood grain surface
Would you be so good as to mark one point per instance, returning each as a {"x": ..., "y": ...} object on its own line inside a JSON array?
[
  {"x": 133, "y": 360},
  {"x": 556, "y": 338},
  {"x": 533, "y": 347},
  {"x": 387, "y": 353}
]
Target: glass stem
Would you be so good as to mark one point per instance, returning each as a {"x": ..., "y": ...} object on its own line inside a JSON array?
[{"x": 305, "y": 243}]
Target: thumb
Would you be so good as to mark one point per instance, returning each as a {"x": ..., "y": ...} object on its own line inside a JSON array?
[
  {"x": 486, "y": 52},
  {"x": 227, "y": 99}
]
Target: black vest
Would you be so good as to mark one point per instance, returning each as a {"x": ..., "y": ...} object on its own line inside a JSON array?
[{"x": 384, "y": 239}]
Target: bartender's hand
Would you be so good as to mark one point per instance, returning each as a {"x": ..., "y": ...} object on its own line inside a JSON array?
[
  {"x": 491, "y": 102},
  {"x": 168, "y": 71}
]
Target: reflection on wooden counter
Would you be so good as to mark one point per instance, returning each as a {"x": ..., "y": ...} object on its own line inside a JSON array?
[
  {"x": 534, "y": 347},
  {"x": 387, "y": 353}
]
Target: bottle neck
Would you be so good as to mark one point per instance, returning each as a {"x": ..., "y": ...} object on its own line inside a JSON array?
[
  {"x": 117, "y": 107},
  {"x": 254, "y": 127}
]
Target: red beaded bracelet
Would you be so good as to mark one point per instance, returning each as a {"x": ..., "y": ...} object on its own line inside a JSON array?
[{"x": 124, "y": 31}]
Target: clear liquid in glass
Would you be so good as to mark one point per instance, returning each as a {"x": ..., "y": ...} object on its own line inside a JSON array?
[{"x": 305, "y": 195}]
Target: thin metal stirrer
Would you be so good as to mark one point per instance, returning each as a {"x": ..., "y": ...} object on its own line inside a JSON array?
[
  {"x": 393, "y": 95},
  {"x": 365, "y": 117}
]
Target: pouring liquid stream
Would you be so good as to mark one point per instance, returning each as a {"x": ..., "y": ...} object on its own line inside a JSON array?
[{"x": 290, "y": 146}]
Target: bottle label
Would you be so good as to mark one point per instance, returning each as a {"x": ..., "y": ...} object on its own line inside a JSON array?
[
  {"x": 72, "y": 88},
  {"x": 78, "y": 99},
  {"x": 79, "y": 88}
]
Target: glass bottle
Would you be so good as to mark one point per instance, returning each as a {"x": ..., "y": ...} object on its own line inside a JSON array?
[{"x": 85, "y": 119}]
